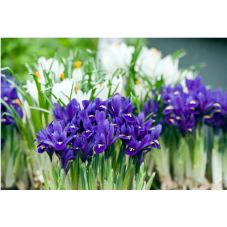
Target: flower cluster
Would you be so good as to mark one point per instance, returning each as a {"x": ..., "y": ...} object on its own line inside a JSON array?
[
  {"x": 187, "y": 109},
  {"x": 10, "y": 97},
  {"x": 95, "y": 128}
]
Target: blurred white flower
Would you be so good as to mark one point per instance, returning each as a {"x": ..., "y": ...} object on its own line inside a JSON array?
[
  {"x": 56, "y": 69},
  {"x": 32, "y": 90},
  {"x": 117, "y": 56},
  {"x": 63, "y": 91},
  {"x": 140, "y": 89},
  {"x": 169, "y": 69},
  {"x": 147, "y": 61},
  {"x": 80, "y": 96}
]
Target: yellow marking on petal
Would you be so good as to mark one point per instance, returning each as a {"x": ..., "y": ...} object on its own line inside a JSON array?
[
  {"x": 139, "y": 127},
  {"x": 42, "y": 147},
  {"x": 91, "y": 115},
  {"x": 73, "y": 126},
  {"x": 3, "y": 119},
  {"x": 103, "y": 106},
  {"x": 176, "y": 93},
  {"x": 169, "y": 107},
  {"x": 193, "y": 102},
  {"x": 154, "y": 51},
  {"x": 100, "y": 86},
  {"x": 100, "y": 145},
  {"x": 78, "y": 64},
  {"x": 218, "y": 111},
  {"x": 62, "y": 75},
  {"x": 137, "y": 82},
  {"x": 37, "y": 74},
  {"x": 190, "y": 130},
  {"x": 152, "y": 128},
  {"x": 128, "y": 115},
  {"x": 169, "y": 100},
  {"x": 87, "y": 131},
  {"x": 157, "y": 141},
  {"x": 60, "y": 142},
  {"x": 131, "y": 149},
  {"x": 152, "y": 142},
  {"x": 5, "y": 98},
  {"x": 192, "y": 108},
  {"x": 59, "y": 155},
  {"x": 115, "y": 92},
  {"x": 76, "y": 87},
  {"x": 178, "y": 117},
  {"x": 121, "y": 135},
  {"x": 171, "y": 120},
  {"x": 112, "y": 124},
  {"x": 207, "y": 117},
  {"x": 217, "y": 104}
]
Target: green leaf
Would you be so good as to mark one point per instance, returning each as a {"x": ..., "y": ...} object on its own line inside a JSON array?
[
  {"x": 41, "y": 109},
  {"x": 53, "y": 178},
  {"x": 148, "y": 117},
  {"x": 92, "y": 179},
  {"x": 149, "y": 183},
  {"x": 179, "y": 54},
  {"x": 141, "y": 182},
  {"x": 17, "y": 164},
  {"x": 45, "y": 181},
  {"x": 110, "y": 180},
  {"x": 128, "y": 178},
  {"x": 61, "y": 187}
]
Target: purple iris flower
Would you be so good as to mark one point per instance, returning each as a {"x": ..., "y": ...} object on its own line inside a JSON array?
[
  {"x": 66, "y": 157},
  {"x": 84, "y": 146},
  {"x": 105, "y": 136},
  {"x": 10, "y": 96},
  {"x": 218, "y": 115},
  {"x": 151, "y": 107},
  {"x": 178, "y": 114},
  {"x": 59, "y": 139},
  {"x": 121, "y": 108}
]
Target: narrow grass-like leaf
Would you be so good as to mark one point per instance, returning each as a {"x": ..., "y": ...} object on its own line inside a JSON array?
[
  {"x": 45, "y": 181},
  {"x": 149, "y": 183}
]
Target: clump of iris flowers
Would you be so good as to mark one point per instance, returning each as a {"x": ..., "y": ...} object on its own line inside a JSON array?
[
  {"x": 9, "y": 97},
  {"x": 187, "y": 111},
  {"x": 98, "y": 127}
]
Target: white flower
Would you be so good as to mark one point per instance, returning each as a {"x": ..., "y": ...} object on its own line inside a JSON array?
[
  {"x": 57, "y": 70},
  {"x": 61, "y": 90},
  {"x": 80, "y": 96},
  {"x": 117, "y": 56},
  {"x": 147, "y": 61},
  {"x": 140, "y": 89},
  {"x": 32, "y": 90},
  {"x": 169, "y": 69}
]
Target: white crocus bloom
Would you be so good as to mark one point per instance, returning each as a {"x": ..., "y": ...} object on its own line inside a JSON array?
[
  {"x": 140, "y": 89},
  {"x": 80, "y": 96},
  {"x": 147, "y": 61},
  {"x": 32, "y": 90},
  {"x": 169, "y": 69},
  {"x": 117, "y": 56},
  {"x": 62, "y": 90},
  {"x": 77, "y": 75},
  {"x": 56, "y": 69},
  {"x": 102, "y": 91},
  {"x": 115, "y": 81}
]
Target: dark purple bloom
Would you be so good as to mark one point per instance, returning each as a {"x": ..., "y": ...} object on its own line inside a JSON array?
[{"x": 66, "y": 157}]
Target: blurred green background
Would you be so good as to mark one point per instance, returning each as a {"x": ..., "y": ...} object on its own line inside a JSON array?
[{"x": 16, "y": 52}]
